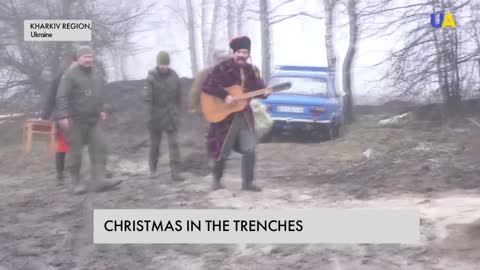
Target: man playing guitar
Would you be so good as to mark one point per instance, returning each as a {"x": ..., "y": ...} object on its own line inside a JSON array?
[{"x": 236, "y": 131}]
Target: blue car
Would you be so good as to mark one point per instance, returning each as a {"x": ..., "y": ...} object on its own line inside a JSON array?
[{"x": 311, "y": 105}]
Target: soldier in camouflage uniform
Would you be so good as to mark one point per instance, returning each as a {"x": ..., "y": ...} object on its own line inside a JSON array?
[
  {"x": 163, "y": 96},
  {"x": 80, "y": 110}
]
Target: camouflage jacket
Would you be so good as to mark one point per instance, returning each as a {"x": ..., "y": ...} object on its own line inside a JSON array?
[
  {"x": 80, "y": 95},
  {"x": 163, "y": 95}
]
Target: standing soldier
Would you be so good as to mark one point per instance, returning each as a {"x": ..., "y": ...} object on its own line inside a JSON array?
[
  {"x": 163, "y": 96},
  {"x": 80, "y": 110},
  {"x": 48, "y": 111}
]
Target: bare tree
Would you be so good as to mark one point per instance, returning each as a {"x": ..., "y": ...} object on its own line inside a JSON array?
[
  {"x": 265, "y": 38},
  {"x": 268, "y": 17},
  {"x": 191, "y": 37},
  {"x": 329, "y": 11},
  {"x": 213, "y": 32},
  {"x": 473, "y": 31},
  {"x": 204, "y": 31},
  {"x": 230, "y": 20},
  {"x": 471, "y": 61},
  {"x": 348, "y": 61},
  {"x": 183, "y": 12},
  {"x": 241, "y": 9},
  {"x": 431, "y": 61},
  {"x": 27, "y": 67},
  {"x": 206, "y": 43}
]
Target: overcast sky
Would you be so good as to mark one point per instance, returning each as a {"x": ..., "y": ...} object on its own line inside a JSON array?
[{"x": 297, "y": 41}]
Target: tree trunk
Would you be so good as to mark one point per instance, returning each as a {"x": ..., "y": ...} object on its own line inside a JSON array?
[
  {"x": 230, "y": 20},
  {"x": 213, "y": 33},
  {"x": 456, "y": 75},
  {"x": 240, "y": 21},
  {"x": 192, "y": 47},
  {"x": 447, "y": 87},
  {"x": 451, "y": 72},
  {"x": 348, "y": 62},
  {"x": 329, "y": 6},
  {"x": 265, "y": 38},
  {"x": 204, "y": 33},
  {"x": 55, "y": 63},
  {"x": 331, "y": 56},
  {"x": 123, "y": 65}
]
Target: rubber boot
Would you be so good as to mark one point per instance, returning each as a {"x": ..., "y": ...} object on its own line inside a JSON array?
[
  {"x": 99, "y": 183},
  {"x": 78, "y": 185},
  {"x": 176, "y": 177},
  {"x": 153, "y": 174},
  {"x": 154, "y": 155},
  {"x": 60, "y": 167},
  {"x": 248, "y": 167},
  {"x": 218, "y": 168},
  {"x": 175, "y": 171},
  {"x": 153, "y": 167}
]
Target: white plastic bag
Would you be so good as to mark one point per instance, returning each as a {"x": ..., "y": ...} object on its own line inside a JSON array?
[{"x": 263, "y": 121}]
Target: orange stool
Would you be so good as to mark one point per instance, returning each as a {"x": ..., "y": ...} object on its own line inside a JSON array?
[{"x": 41, "y": 127}]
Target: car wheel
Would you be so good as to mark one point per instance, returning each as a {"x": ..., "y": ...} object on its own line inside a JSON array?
[
  {"x": 327, "y": 133},
  {"x": 338, "y": 131}
]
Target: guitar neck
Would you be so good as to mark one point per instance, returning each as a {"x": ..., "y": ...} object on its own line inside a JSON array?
[
  {"x": 252, "y": 94},
  {"x": 260, "y": 92}
]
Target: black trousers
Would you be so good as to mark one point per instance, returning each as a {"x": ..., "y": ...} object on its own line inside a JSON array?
[
  {"x": 241, "y": 140},
  {"x": 60, "y": 163}
]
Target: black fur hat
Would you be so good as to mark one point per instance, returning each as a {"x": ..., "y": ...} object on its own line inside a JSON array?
[{"x": 239, "y": 43}]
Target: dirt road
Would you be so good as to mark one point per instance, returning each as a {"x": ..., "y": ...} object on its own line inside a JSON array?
[{"x": 428, "y": 167}]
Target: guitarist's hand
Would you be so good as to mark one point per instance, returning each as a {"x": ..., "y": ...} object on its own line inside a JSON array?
[
  {"x": 268, "y": 91},
  {"x": 229, "y": 99}
]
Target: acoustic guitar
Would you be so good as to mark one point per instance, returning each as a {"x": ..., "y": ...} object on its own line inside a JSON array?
[{"x": 215, "y": 109}]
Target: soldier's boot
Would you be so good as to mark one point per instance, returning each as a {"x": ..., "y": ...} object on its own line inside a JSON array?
[
  {"x": 153, "y": 174},
  {"x": 248, "y": 167},
  {"x": 78, "y": 185},
  {"x": 153, "y": 168},
  {"x": 174, "y": 153},
  {"x": 176, "y": 176},
  {"x": 105, "y": 185},
  {"x": 99, "y": 183},
  {"x": 175, "y": 171},
  {"x": 98, "y": 160},
  {"x": 153, "y": 162},
  {"x": 218, "y": 168},
  {"x": 60, "y": 167}
]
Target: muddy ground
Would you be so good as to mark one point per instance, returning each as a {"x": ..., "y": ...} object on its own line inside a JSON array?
[{"x": 425, "y": 165}]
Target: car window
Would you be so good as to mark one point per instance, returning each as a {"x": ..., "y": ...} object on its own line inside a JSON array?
[{"x": 302, "y": 85}]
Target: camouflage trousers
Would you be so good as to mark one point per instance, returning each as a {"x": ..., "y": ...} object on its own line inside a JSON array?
[
  {"x": 173, "y": 149},
  {"x": 78, "y": 136}
]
